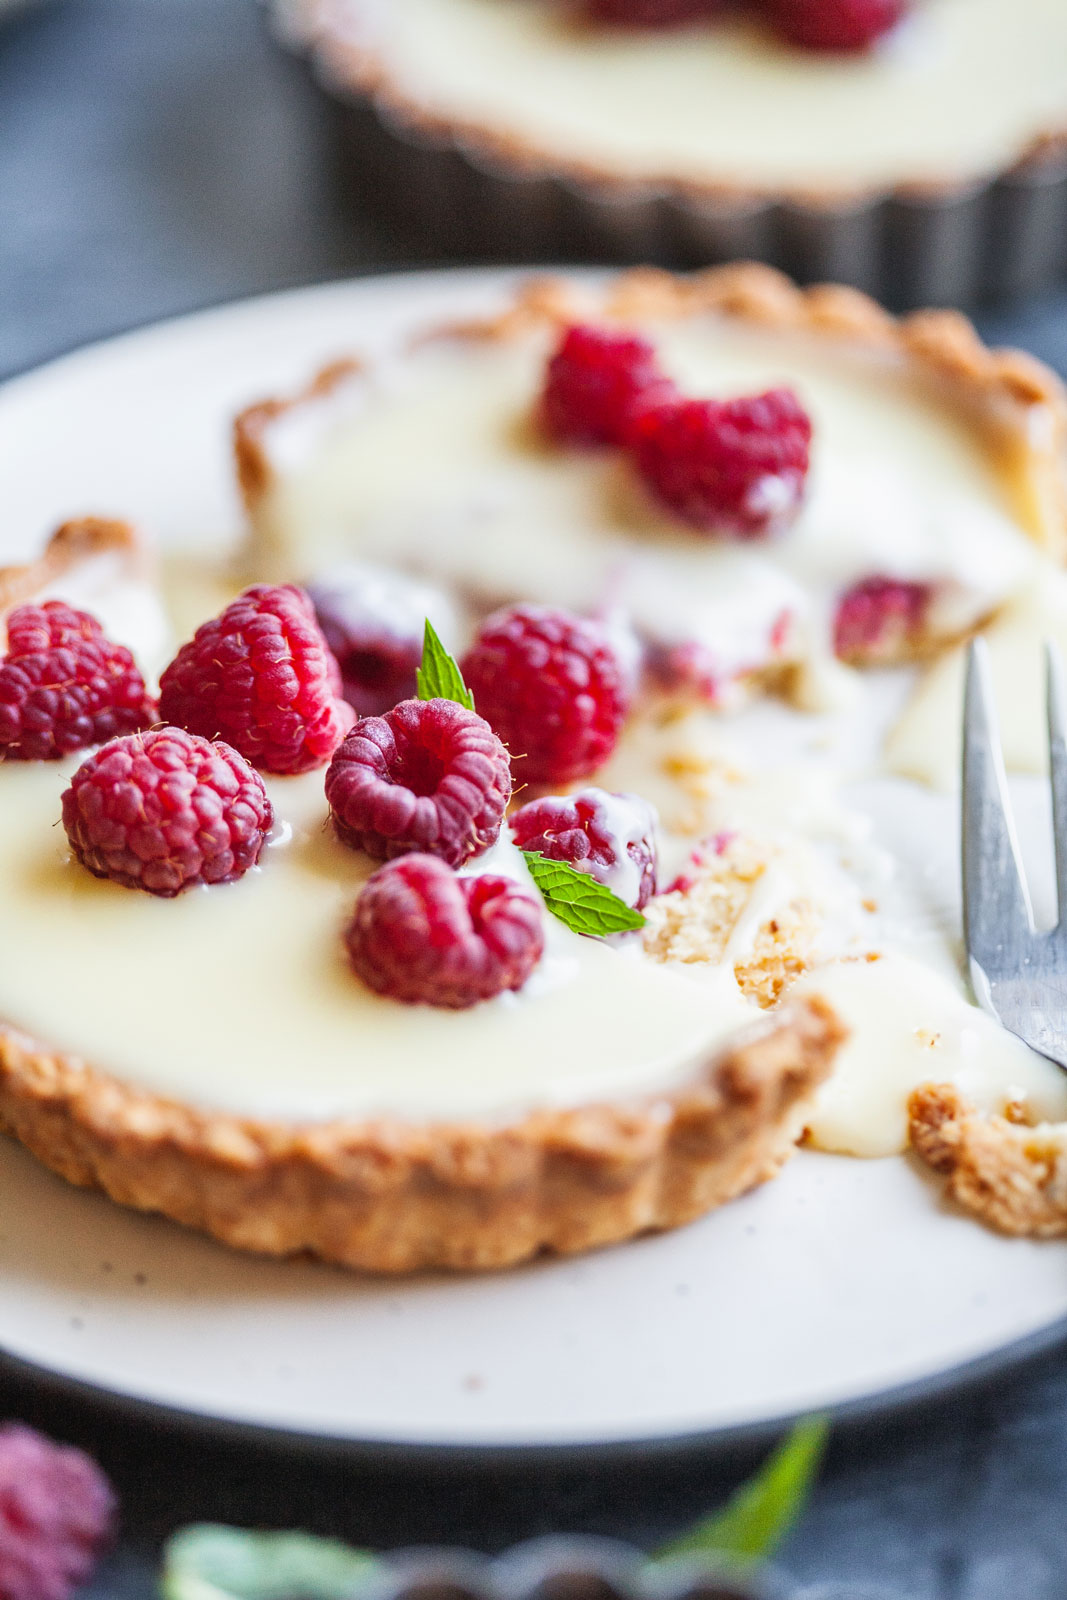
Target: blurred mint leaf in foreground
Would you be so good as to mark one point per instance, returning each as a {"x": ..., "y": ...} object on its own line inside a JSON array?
[
  {"x": 757, "y": 1517},
  {"x": 210, "y": 1562},
  {"x": 439, "y": 678}
]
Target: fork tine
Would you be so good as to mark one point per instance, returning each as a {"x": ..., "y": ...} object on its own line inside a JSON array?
[
  {"x": 996, "y": 906},
  {"x": 1057, "y": 764}
]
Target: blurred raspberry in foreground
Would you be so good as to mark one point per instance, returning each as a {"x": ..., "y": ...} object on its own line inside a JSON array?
[{"x": 57, "y": 1514}]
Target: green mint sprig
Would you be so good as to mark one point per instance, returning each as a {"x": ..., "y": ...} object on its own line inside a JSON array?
[
  {"x": 579, "y": 900},
  {"x": 212, "y": 1562},
  {"x": 757, "y": 1517},
  {"x": 439, "y": 677}
]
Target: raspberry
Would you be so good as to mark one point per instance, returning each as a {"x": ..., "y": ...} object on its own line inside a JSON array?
[
  {"x": 650, "y": 13},
  {"x": 429, "y": 776},
  {"x": 552, "y": 687},
  {"x": 726, "y": 466},
  {"x": 64, "y": 685},
  {"x": 165, "y": 810},
  {"x": 424, "y": 935},
  {"x": 836, "y": 24},
  {"x": 610, "y": 836},
  {"x": 878, "y": 619},
  {"x": 372, "y": 620},
  {"x": 57, "y": 1514},
  {"x": 593, "y": 383},
  {"x": 692, "y": 669},
  {"x": 261, "y": 677}
]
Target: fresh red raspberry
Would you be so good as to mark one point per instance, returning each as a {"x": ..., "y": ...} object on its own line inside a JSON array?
[
  {"x": 373, "y": 621},
  {"x": 425, "y": 935},
  {"x": 553, "y": 688},
  {"x": 879, "y": 619},
  {"x": 610, "y": 836},
  {"x": 726, "y": 466},
  {"x": 165, "y": 810},
  {"x": 64, "y": 685},
  {"x": 836, "y": 24},
  {"x": 261, "y": 677},
  {"x": 57, "y": 1515},
  {"x": 593, "y": 382},
  {"x": 651, "y": 13},
  {"x": 429, "y": 776}
]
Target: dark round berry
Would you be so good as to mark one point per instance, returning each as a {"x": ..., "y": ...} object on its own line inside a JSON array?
[
  {"x": 261, "y": 677},
  {"x": 427, "y": 936},
  {"x": 166, "y": 810},
  {"x": 726, "y": 466},
  {"x": 553, "y": 688},
  {"x": 610, "y": 836},
  {"x": 64, "y": 686},
  {"x": 835, "y": 25},
  {"x": 373, "y": 621},
  {"x": 57, "y": 1514},
  {"x": 429, "y": 776},
  {"x": 593, "y": 382},
  {"x": 880, "y": 620}
]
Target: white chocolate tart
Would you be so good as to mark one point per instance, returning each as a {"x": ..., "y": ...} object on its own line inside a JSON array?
[
  {"x": 691, "y": 143},
  {"x": 213, "y": 1058}
]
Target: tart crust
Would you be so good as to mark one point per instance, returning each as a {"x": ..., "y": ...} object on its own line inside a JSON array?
[
  {"x": 390, "y": 1196},
  {"x": 1016, "y": 401},
  {"x": 1010, "y": 1175},
  {"x": 361, "y": 71},
  {"x": 71, "y": 544}
]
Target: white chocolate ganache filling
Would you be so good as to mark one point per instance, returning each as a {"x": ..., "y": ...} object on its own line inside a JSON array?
[
  {"x": 958, "y": 92},
  {"x": 240, "y": 997},
  {"x": 434, "y": 464}
]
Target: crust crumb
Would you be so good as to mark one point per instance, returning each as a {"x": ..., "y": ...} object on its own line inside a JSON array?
[
  {"x": 1010, "y": 1174},
  {"x": 697, "y": 922}
]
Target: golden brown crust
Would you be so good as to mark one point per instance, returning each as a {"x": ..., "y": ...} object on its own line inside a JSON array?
[
  {"x": 1020, "y": 403},
  {"x": 388, "y": 1196},
  {"x": 252, "y": 424},
  {"x": 70, "y": 545},
  {"x": 361, "y": 72},
  {"x": 1012, "y": 1176}
]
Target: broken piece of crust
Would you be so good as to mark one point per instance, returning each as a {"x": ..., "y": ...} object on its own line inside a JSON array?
[
  {"x": 389, "y": 1196},
  {"x": 70, "y": 545},
  {"x": 1012, "y": 1176}
]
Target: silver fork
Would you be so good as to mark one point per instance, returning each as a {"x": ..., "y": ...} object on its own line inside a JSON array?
[{"x": 1018, "y": 973}]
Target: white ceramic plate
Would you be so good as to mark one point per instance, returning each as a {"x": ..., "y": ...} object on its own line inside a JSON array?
[{"x": 840, "y": 1281}]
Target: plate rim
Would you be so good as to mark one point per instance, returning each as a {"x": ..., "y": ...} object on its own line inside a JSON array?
[{"x": 894, "y": 1403}]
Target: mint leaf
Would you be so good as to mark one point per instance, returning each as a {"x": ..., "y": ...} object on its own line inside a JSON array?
[
  {"x": 439, "y": 678},
  {"x": 211, "y": 1562},
  {"x": 578, "y": 900},
  {"x": 757, "y": 1517}
]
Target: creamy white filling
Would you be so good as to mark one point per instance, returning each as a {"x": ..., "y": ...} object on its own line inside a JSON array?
[
  {"x": 926, "y": 742},
  {"x": 437, "y": 467},
  {"x": 957, "y": 93},
  {"x": 240, "y": 998}
]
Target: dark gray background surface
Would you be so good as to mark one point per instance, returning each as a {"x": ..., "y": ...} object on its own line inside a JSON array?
[{"x": 159, "y": 155}]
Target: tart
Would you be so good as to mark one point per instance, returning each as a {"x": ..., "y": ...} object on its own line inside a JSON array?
[
  {"x": 928, "y": 167},
  {"x": 215, "y": 1060},
  {"x": 235, "y": 1057}
]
